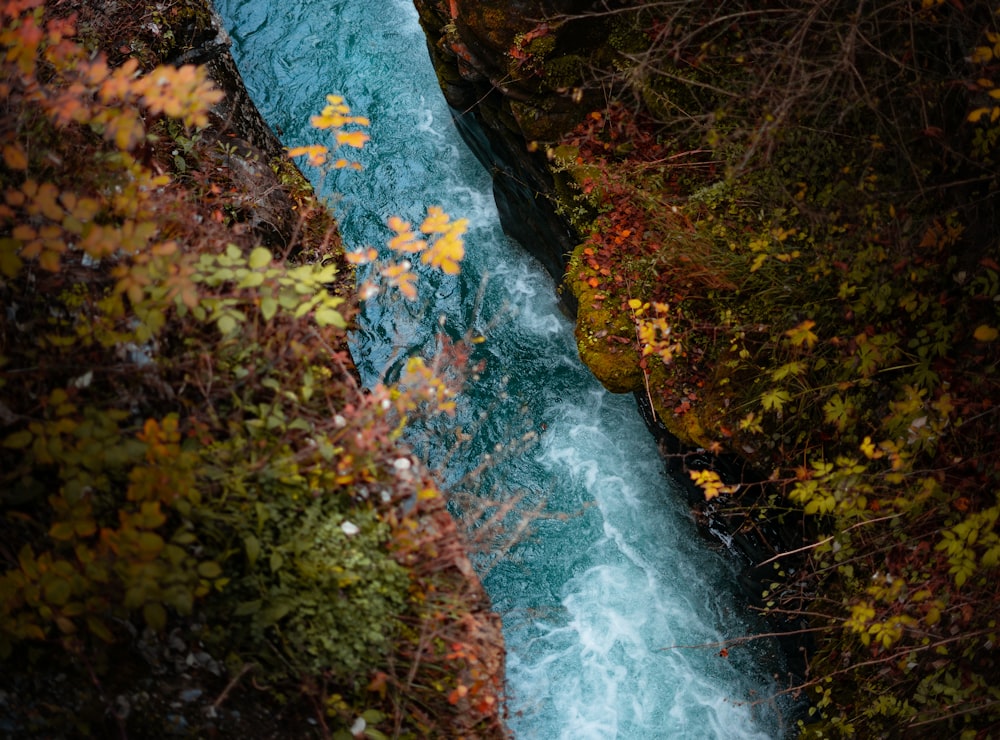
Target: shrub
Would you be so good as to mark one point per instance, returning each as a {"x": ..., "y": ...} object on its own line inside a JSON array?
[{"x": 186, "y": 456}]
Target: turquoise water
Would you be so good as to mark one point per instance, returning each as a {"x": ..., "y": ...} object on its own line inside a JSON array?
[{"x": 614, "y": 571}]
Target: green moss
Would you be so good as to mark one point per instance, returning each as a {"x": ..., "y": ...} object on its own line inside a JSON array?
[
  {"x": 628, "y": 35},
  {"x": 564, "y": 72},
  {"x": 604, "y": 338},
  {"x": 541, "y": 46}
]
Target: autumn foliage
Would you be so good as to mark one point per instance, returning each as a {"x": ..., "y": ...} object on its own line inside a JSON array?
[
  {"x": 197, "y": 499},
  {"x": 788, "y": 247}
]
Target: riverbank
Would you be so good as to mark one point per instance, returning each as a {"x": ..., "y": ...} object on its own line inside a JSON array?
[
  {"x": 802, "y": 274},
  {"x": 184, "y": 441}
]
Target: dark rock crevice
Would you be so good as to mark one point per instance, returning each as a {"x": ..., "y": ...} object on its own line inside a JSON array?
[
  {"x": 503, "y": 119},
  {"x": 471, "y": 61}
]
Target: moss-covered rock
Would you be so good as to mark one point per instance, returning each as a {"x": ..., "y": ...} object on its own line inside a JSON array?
[{"x": 605, "y": 339}]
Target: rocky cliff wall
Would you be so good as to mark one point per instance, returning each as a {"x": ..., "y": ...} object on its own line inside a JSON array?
[
  {"x": 519, "y": 76},
  {"x": 487, "y": 57}
]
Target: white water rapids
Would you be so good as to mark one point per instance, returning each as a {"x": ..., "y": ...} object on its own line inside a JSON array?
[{"x": 615, "y": 572}]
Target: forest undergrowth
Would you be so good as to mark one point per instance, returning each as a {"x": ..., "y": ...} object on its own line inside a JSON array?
[
  {"x": 789, "y": 244},
  {"x": 207, "y": 527}
]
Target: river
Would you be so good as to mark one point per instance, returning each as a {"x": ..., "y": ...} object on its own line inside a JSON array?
[{"x": 614, "y": 573}]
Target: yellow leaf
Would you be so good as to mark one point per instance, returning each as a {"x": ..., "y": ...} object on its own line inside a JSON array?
[
  {"x": 977, "y": 114},
  {"x": 803, "y": 334},
  {"x": 436, "y": 221},
  {"x": 356, "y": 139},
  {"x": 329, "y": 119},
  {"x": 869, "y": 449},
  {"x": 982, "y": 54},
  {"x": 984, "y": 333},
  {"x": 710, "y": 483},
  {"x": 448, "y": 250}
]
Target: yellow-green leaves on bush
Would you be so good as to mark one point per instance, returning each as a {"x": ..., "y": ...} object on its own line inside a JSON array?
[
  {"x": 109, "y": 555},
  {"x": 972, "y": 544}
]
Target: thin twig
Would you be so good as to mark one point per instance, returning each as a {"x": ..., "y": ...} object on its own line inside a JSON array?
[{"x": 247, "y": 667}]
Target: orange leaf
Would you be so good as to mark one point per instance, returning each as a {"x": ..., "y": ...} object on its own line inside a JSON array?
[
  {"x": 407, "y": 242},
  {"x": 14, "y": 157},
  {"x": 356, "y": 139},
  {"x": 361, "y": 257},
  {"x": 399, "y": 276},
  {"x": 317, "y": 153}
]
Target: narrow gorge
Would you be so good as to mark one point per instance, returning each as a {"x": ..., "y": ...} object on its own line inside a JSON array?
[
  {"x": 530, "y": 367},
  {"x": 603, "y": 600}
]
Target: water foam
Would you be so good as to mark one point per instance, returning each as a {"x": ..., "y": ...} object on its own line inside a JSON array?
[{"x": 614, "y": 575}]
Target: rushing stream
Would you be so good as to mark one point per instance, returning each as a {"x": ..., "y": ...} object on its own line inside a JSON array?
[{"x": 615, "y": 571}]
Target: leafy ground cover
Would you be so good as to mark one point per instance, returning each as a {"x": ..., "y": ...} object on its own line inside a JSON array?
[{"x": 208, "y": 527}]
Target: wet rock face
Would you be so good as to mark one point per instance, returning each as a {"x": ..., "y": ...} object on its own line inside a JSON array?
[
  {"x": 239, "y": 142},
  {"x": 267, "y": 208},
  {"x": 521, "y": 185},
  {"x": 509, "y": 69}
]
